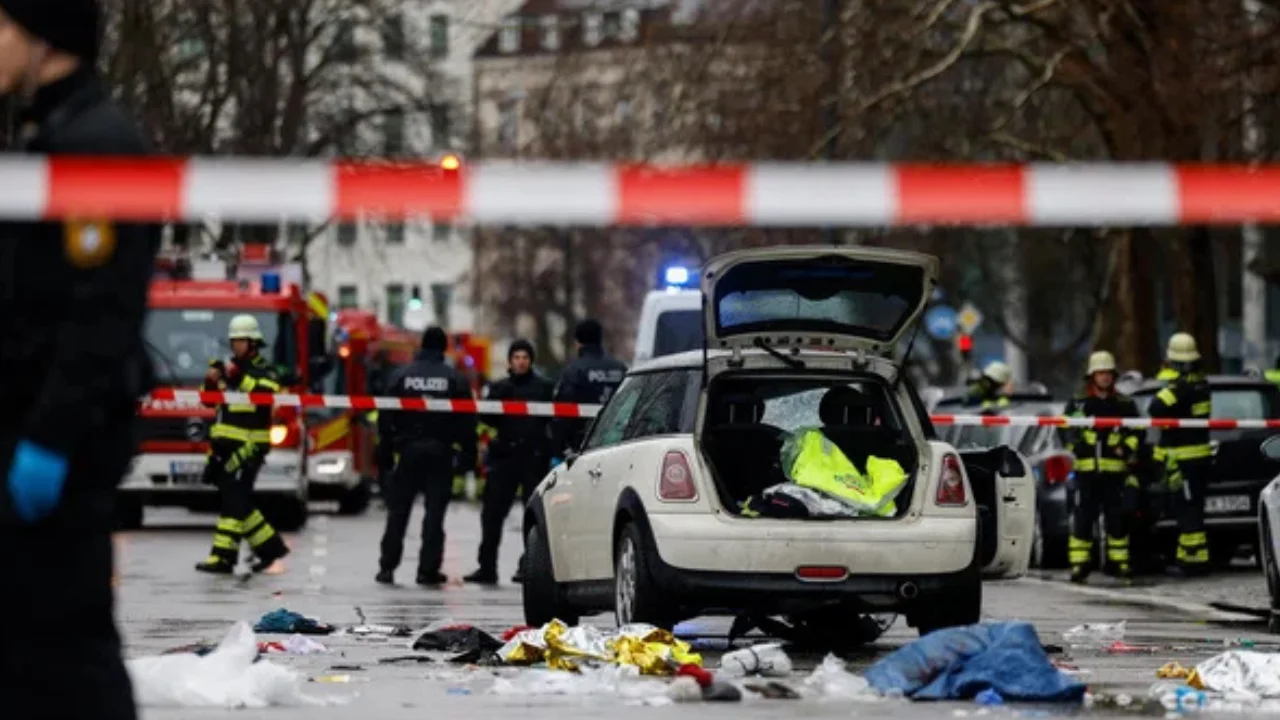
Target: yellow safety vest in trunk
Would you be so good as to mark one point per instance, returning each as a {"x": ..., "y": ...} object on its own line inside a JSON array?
[{"x": 811, "y": 460}]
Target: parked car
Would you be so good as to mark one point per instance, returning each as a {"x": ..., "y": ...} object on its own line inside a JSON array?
[
  {"x": 1240, "y": 470},
  {"x": 1269, "y": 530},
  {"x": 647, "y": 522},
  {"x": 955, "y": 401},
  {"x": 1051, "y": 464}
]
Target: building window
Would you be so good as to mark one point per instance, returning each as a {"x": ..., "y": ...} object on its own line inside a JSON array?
[
  {"x": 395, "y": 304},
  {"x": 393, "y": 133},
  {"x": 395, "y": 234},
  {"x": 509, "y": 38},
  {"x": 441, "y": 129},
  {"x": 348, "y": 297},
  {"x": 393, "y": 43},
  {"x": 591, "y": 29},
  {"x": 347, "y": 234},
  {"x": 630, "y": 30},
  {"x": 441, "y": 232},
  {"x": 344, "y": 44},
  {"x": 612, "y": 24},
  {"x": 439, "y": 34},
  {"x": 550, "y": 32},
  {"x": 622, "y": 111},
  {"x": 508, "y": 125},
  {"x": 441, "y": 300}
]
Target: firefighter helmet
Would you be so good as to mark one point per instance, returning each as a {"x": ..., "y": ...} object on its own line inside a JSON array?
[
  {"x": 1182, "y": 349},
  {"x": 244, "y": 327},
  {"x": 1101, "y": 361},
  {"x": 998, "y": 373}
]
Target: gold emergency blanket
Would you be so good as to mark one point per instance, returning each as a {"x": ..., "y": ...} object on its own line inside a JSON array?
[{"x": 652, "y": 650}]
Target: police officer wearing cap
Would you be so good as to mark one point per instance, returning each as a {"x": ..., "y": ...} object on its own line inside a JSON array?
[
  {"x": 591, "y": 379},
  {"x": 517, "y": 455},
  {"x": 239, "y": 442},
  {"x": 1105, "y": 465},
  {"x": 427, "y": 448},
  {"x": 1186, "y": 452},
  {"x": 72, "y": 299}
]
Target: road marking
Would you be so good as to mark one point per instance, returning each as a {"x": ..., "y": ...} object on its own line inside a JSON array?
[
  {"x": 320, "y": 552},
  {"x": 318, "y": 570},
  {"x": 1132, "y": 597},
  {"x": 320, "y": 540}
]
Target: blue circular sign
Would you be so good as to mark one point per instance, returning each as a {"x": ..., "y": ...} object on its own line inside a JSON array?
[{"x": 941, "y": 322}]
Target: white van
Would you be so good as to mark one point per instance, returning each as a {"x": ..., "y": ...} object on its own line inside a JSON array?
[{"x": 670, "y": 323}]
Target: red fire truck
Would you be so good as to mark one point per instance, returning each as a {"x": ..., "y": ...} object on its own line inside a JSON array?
[{"x": 186, "y": 328}]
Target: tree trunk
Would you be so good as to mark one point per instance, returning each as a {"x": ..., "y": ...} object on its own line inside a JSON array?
[
  {"x": 1128, "y": 325},
  {"x": 1202, "y": 284}
]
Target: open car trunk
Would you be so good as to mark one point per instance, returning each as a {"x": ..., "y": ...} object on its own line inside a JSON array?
[{"x": 752, "y": 414}]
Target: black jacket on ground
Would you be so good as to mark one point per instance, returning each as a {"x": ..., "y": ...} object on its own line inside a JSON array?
[
  {"x": 517, "y": 435},
  {"x": 73, "y": 298},
  {"x": 429, "y": 433},
  {"x": 591, "y": 379}
]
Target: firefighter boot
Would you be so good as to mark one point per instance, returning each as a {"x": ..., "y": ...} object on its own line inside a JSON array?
[
  {"x": 226, "y": 548},
  {"x": 1118, "y": 559},
  {"x": 268, "y": 546},
  {"x": 1079, "y": 554},
  {"x": 1193, "y": 554}
]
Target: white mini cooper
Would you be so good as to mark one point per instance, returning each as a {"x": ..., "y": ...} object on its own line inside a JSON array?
[{"x": 678, "y": 504}]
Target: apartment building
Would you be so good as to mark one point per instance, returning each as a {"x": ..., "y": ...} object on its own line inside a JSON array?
[{"x": 417, "y": 272}]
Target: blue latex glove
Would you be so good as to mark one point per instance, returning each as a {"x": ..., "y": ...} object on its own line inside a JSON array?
[
  {"x": 556, "y": 462},
  {"x": 35, "y": 481}
]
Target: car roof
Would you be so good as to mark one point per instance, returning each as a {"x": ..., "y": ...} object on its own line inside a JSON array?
[
  {"x": 692, "y": 359},
  {"x": 1151, "y": 387}
]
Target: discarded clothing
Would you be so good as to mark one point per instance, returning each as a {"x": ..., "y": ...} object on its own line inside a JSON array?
[
  {"x": 816, "y": 504},
  {"x": 960, "y": 663},
  {"x": 466, "y": 643},
  {"x": 776, "y": 507},
  {"x": 286, "y": 621},
  {"x": 810, "y": 459}
]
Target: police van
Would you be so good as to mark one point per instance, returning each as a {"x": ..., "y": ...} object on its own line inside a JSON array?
[{"x": 671, "y": 318}]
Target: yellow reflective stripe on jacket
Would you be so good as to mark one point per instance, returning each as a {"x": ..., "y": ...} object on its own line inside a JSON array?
[
  {"x": 1131, "y": 442},
  {"x": 223, "y": 431},
  {"x": 1273, "y": 376},
  {"x": 1189, "y": 452},
  {"x": 252, "y": 384},
  {"x": 1106, "y": 465},
  {"x": 998, "y": 402},
  {"x": 1167, "y": 397},
  {"x": 1202, "y": 409},
  {"x": 1167, "y": 374},
  {"x": 816, "y": 463}
]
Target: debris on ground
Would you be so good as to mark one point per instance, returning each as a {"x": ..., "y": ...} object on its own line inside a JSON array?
[
  {"x": 385, "y": 631},
  {"x": 773, "y": 690},
  {"x": 988, "y": 697},
  {"x": 406, "y": 659},
  {"x": 1240, "y": 672},
  {"x": 653, "y": 650},
  {"x": 1095, "y": 635},
  {"x": 1124, "y": 648},
  {"x": 303, "y": 645},
  {"x": 959, "y": 663},
  {"x": 1173, "y": 671},
  {"x": 226, "y": 677},
  {"x": 832, "y": 681},
  {"x": 286, "y": 621},
  {"x": 611, "y": 680},
  {"x": 767, "y": 660},
  {"x": 465, "y": 643}
]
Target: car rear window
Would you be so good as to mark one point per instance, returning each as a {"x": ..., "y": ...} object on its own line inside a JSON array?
[
  {"x": 1247, "y": 403},
  {"x": 677, "y": 331}
]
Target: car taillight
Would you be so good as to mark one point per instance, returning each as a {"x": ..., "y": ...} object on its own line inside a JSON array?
[
  {"x": 676, "y": 481},
  {"x": 1057, "y": 469},
  {"x": 951, "y": 484}
]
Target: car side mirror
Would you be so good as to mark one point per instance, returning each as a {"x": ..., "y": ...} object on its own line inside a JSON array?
[
  {"x": 570, "y": 458},
  {"x": 1271, "y": 448}
]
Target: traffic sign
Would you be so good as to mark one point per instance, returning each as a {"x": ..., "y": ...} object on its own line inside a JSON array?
[
  {"x": 940, "y": 322},
  {"x": 970, "y": 318}
]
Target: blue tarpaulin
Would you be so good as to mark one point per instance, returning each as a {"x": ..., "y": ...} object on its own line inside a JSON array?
[{"x": 959, "y": 663}]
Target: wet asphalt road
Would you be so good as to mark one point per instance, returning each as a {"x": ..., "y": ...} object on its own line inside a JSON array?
[{"x": 163, "y": 603}]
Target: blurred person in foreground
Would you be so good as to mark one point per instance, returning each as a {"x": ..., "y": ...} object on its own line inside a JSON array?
[
  {"x": 1105, "y": 466},
  {"x": 422, "y": 445},
  {"x": 591, "y": 379},
  {"x": 73, "y": 296},
  {"x": 1186, "y": 453},
  {"x": 517, "y": 457}
]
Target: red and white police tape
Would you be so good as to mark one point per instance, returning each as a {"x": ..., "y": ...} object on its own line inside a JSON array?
[
  {"x": 169, "y": 398},
  {"x": 769, "y": 194}
]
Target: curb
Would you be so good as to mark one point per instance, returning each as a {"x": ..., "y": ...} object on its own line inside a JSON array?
[{"x": 1202, "y": 611}]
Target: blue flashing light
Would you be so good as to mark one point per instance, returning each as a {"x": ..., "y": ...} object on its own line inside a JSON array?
[
  {"x": 415, "y": 303},
  {"x": 271, "y": 283},
  {"x": 676, "y": 276}
]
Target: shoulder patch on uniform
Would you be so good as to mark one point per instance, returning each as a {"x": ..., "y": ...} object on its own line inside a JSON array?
[{"x": 88, "y": 244}]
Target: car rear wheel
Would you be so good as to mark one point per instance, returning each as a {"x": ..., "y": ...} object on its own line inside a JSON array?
[
  {"x": 543, "y": 601},
  {"x": 635, "y": 597},
  {"x": 956, "y": 607},
  {"x": 356, "y": 500},
  {"x": 130, "y": 513}
]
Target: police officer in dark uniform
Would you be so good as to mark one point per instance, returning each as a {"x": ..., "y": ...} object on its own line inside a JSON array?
[
  {"x": 239, "y": 442},
  {"x": 72, "y": 302},
  {"x": 590, "y": 379},
  {"x": 517, "y": 455},
  {"x": 425, "y": 456}
]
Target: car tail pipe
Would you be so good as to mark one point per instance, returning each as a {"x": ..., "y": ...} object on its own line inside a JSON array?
[{"x": 908, "y": 590}]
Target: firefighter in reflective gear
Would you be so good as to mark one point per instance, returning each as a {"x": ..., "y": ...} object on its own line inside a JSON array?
[
  {"x": 811, "y": 458},
  {"x": 239, "y": 441},
  {"x": 1105, "y": 460},
  {"x": 423, "y": 444},
  {"x": 988, "y": 390},
  {"x": 1273, "y": 375},
  {"x": 1166, "y": 374},
  {"x": 1186, "y": 453}
]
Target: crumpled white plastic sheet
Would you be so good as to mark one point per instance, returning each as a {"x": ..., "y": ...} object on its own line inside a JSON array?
[
  {"x": 620, "y": 681},
  {"x": 1095, "y": 635},
  {"x": 832, "y": 681},
  {"x": 228, "y": 677},
  {"x": 1242, "y": 672},
  {"x": 303, "y": 645}
]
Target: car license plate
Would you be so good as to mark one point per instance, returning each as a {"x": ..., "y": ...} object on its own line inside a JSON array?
[
  {"x": 1223, "y": 504},
  {"x": 186, "y": 473}
]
